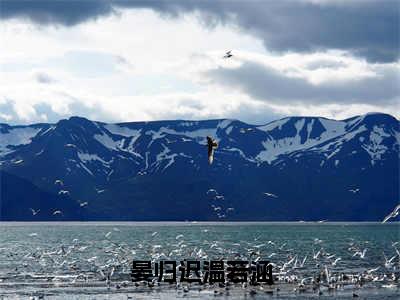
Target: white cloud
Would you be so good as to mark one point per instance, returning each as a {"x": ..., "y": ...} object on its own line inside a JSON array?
[{"x": 139, "y": 66}]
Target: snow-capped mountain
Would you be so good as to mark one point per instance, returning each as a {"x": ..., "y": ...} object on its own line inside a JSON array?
[{"x": 296, "y": 168}]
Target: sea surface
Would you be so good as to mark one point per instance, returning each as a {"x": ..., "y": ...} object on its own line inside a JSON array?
[{"x": 90, "y": 260}]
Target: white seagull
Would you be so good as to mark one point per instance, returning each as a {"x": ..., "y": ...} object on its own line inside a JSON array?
[
  {"x": 336, "y": 261},
  {"x": 315, "y": 255},
  {"x": 373, "y": 270},
  {"x": 59, "y": 182},
  {"x": 212, "y": 191},
  {"x": 271, "y": 195},
  {"x": 361, "y": 254},
  {"x": 179, "y": 236},
  {"x": 393, "y": 214},
  {"x": 389, "y": 262},
  {"x": 34, "y": 212}
]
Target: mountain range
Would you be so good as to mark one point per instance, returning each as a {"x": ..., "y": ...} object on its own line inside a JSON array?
[{"x": 292, "y": 169}]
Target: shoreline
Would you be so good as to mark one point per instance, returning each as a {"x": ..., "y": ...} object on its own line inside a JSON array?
[
  {"x": 202, "y": 222},
  {"x": 279, "y": 290}
]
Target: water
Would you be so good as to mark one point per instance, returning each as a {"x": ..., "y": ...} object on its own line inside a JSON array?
[{"x": 72, "y": 260}]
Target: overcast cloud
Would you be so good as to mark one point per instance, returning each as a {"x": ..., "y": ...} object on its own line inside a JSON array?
[
  {"x": 366, "y": 28},
  {"x": 267, "y": 84},
  {"x": 148, "y": 60}
]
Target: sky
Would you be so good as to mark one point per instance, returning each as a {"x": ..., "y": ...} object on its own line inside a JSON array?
[{"x": 121, "y": 61}]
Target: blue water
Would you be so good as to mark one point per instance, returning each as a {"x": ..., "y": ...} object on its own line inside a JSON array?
[{"x": 73, "y": 260}]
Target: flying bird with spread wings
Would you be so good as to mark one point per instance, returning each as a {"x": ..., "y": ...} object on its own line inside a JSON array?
[
  {"x": 57, "y": 212},
  {"x": 211, "y": 145},
  {"x": 228, "y": 54},
  {"x": 393, "y": 214},
  {"x": 34, "y": 212}
]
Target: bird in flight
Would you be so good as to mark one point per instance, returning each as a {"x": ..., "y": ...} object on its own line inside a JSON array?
[
  {"x": 57, "y": 212},
  {"x": 34, "y": 212},
  {"x": 361, "y": 254},
  {"x": 270, "y": 195},
  {"x": 211, "y": 144},
  {"x": 393, "y": 214},
  {"x": 228, "y": 54}
]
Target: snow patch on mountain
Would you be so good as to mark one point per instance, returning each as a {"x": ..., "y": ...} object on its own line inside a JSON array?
[
  {"x": 86, "y": 157},
  {"x": 275, "y": 147},
  {"x": 164, "y": 155},
  {"x": 272, "y": 125},
  {"x": 229, "y": 130},
  {"x": 51, "y": 128},
  {"x": 118, "y": 145},
  {"x": 16, "y": 137},
  {"x": 353, "y": 123},
  {"x": 81, "y": 165},
  {"x": 224, "y": 123},
  {"x": 309, "y": 128},
  {"x": 375, "y": 148},
  {"x": 108, "y": 142},
  {"x": 240, "y": 152},
  {"x": 333, "y": 146},
  {"x": 121, "y": 130},
  {"x": 333, "y": 128},
  {"x": 199, "y": 135}
]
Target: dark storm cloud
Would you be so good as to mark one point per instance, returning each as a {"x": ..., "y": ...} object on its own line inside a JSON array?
[
  {"x": 56, "y": 12},
  {"x": 366, "y": 28},
  {"x": 267, "y": 84}
]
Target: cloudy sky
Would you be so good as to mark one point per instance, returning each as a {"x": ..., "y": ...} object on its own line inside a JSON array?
[{"x": 119, "y": 61}]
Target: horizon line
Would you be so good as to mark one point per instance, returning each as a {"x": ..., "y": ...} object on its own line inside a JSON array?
[{"x": 194, "y": 120}]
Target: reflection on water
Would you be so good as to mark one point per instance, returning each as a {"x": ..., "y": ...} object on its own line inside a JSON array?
[{"x": 93, "y": 260}]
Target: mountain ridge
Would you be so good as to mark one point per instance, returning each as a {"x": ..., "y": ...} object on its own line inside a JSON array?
[
  {"x": 140, "y": 164},
  {"x": 197, "y": 120}
]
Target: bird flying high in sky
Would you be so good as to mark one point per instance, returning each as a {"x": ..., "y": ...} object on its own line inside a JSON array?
[{"x": 228, "y": 54}]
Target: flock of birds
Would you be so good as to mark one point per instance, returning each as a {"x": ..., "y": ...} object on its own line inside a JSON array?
[
  {"x": 106, "y": 262},
  {"x": 211, "y": 146},
  {"x": 58, "y": 212},
  {"x": 221, "y": 209},
  {"x": 218, "y": 209},
  {"x": 54, "y": 213}
]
